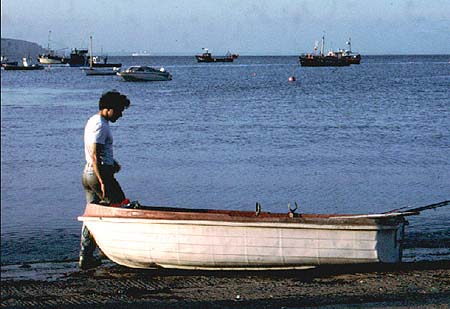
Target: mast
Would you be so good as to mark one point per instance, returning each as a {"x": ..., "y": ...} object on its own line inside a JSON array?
[
  {"x": 349, "y": 43},
  {"x": 322, "y": 47},
  {"x": 48, "y": 43},
  {"x": 90, "y": 57}
]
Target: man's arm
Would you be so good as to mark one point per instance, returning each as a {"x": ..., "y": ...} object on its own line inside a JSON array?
[{"x": 96, "y": 149}]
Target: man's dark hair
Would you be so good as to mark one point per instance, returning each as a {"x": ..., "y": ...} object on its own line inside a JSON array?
[{"x": 113, "y": 99}]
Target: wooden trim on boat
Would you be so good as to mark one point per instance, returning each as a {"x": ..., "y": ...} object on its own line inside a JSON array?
[{"x": 171, "y": 213}]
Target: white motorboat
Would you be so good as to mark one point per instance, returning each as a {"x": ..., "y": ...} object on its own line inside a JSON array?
[
  {"x": 145, "y": 73},
  {"x": 144, "y": 237}
]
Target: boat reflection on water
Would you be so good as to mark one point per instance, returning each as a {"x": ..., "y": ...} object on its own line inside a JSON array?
[{"x": 145, "y": 74}]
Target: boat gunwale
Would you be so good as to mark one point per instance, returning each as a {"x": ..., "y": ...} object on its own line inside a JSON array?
[
  {"x": 330, "y": 225},
  {"x": 238, "y": 216}
]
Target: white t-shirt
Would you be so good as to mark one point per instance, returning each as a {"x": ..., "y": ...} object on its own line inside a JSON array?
[{"x": 97, "y": 131}]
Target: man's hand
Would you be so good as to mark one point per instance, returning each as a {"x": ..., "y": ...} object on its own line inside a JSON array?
[
  {"x": 117, "y": 166},
  {"x": 102, "y": 187}
]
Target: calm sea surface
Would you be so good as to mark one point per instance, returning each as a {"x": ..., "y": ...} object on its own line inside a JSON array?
[{"x": 362, "y": 139}]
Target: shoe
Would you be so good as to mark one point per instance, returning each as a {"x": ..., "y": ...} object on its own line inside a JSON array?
[{"x": 89, "y": 262}]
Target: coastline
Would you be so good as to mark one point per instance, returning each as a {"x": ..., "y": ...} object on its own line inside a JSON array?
[{"x": 425, "y": 283}]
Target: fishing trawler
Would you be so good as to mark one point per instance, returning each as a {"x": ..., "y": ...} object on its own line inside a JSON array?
[
  {"x": 331, "y": 59},
  {"x": 80, "y": 58},
  {"x": 206, "y": 56},
  {"x": 50, "y": 56},
  {"x": 342, "y": 57}
]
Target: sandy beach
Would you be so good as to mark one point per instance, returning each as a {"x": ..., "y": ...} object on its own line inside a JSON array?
[{"x": 404, "y": 285}]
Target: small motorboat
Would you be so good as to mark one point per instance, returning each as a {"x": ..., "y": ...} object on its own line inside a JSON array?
[
  {"x": 145, "y": 73},
  {"x": 144, "y": 237},
  {"x": 6, "y": 61},
  {"x": 26, "y": 66}
]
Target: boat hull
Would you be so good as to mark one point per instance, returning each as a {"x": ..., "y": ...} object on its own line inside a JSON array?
[
  {"x": 214, "y": 59},
  {"x": 50, "y": 60},
  {"x": 137, "y": 77},
  {"x": 99, "y": 72},
  {"x": 107, "y": 65},
  {"x": 239, "y": 240},
  {"x": 354, "y": 59},
  {"x": 22, "y": 68},
  {"x": 323, "y": 61}
]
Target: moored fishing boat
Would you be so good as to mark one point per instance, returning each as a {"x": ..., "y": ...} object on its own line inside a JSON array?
[
  {"x": 206, "y": 56},
  {"x": 144, "y": 237},
  {"x": 79, "y": 58},
  {"x": 342, "y": 57},
  {"x": 331, "y": 59},
  {"x": 50, "y": 57}
]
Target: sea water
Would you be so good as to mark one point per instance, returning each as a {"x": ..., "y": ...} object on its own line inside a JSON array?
[{"x": 361, "y": 139}]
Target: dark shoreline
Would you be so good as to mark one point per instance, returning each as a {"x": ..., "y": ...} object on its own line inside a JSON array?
[{"x": 423, "y": 283}]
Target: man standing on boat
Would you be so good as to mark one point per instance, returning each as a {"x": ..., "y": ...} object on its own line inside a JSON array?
[{"x": 98, "y": 179}]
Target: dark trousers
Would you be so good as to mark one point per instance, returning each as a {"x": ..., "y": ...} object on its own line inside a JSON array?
[
  {"x": 87, "y": 243},
  {"x": 114, "y": 194}
]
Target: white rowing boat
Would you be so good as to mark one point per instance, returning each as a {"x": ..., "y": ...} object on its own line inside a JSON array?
[{"x": 219, "y": 239}]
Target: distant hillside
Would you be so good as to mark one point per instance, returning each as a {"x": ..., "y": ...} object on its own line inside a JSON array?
[{"x": 17, "y": 49}]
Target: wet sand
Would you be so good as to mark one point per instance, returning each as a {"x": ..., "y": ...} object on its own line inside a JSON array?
[{"x": 404, "y": 285}]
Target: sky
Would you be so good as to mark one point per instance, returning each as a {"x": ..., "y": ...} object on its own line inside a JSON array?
[{"x": 246, "y": 27}]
